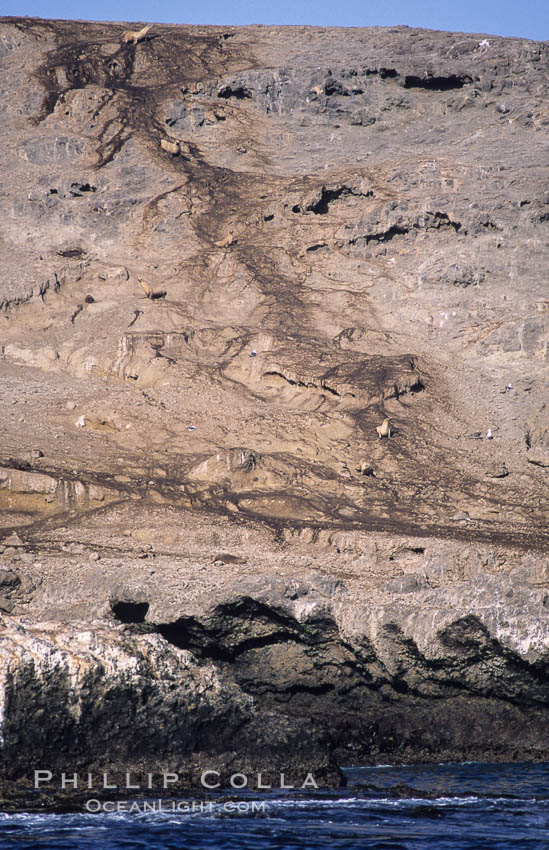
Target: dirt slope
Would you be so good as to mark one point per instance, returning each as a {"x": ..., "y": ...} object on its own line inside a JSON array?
[{"x": 195, "y": 351}]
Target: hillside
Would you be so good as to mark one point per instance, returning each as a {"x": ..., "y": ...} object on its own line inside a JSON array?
[{"x": 208, "y": 555}]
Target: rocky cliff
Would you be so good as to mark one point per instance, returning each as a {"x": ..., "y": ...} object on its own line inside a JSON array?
[{"x": 227, "y": 254}]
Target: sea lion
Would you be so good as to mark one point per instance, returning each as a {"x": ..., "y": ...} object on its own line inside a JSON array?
[
  {"x": 131, "y": 36},
  {"x": 365, "y": 468},
  {"x": 170, "y": 147},
  {"x": 229, "y": 240},
  {"x": 151, "y": 293},
  {"x": 384, "y": 430}
]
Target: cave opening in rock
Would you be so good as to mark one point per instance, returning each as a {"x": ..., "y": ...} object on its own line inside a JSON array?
[
  {"x": 326, "y": 197},
  {"x": 453, "y": 81},
  {"x": 240, "y": 92},
  {"x": 130, "y": 612},
  {"x": 82, "y": 187}
]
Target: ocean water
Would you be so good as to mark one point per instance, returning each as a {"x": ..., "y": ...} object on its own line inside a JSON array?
[{"x": 384, "y": 808}]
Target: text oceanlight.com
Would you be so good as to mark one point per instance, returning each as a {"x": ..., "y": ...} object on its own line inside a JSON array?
[{"x": 239, "y": 807}]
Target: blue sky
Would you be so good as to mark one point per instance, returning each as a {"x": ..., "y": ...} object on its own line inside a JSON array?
[{"x": 526, "y": 18}]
